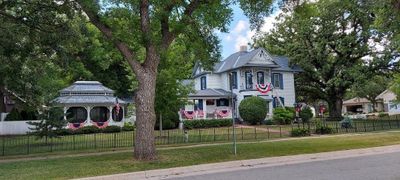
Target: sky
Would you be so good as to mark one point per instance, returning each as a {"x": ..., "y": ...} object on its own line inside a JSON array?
[{"x": 240, "y": 33}]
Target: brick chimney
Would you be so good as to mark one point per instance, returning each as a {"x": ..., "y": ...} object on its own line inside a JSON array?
[{"x": 243, "y": 48}]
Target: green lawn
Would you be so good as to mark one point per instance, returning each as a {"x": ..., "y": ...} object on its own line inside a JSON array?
[{"x": 74, "y": 167}]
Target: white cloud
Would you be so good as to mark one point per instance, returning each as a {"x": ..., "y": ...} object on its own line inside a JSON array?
[
  {"x": 240, "y": 41},
  {"x": 240, "y": 26},
  {"x": 269, "y": 22}
]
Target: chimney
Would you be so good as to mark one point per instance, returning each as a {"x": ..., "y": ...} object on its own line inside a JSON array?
[{"x": 243, "y": 48}]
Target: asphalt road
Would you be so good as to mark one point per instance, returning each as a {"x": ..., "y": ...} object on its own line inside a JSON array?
[{"x": 377, "y": 167}]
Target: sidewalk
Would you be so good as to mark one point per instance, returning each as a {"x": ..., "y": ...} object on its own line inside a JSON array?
[{"x": 246, "y": 164}]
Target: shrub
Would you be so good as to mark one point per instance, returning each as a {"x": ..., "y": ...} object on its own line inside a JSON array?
[
  {"x": 253, "y": 109},
  {"x": 324, "y": 130},
  {"x": 306, "y": 114},
  {"x": 382, "y": 114},
  {"x": 346, "y": 123},
  {"x": 88, "y": 130},
  {"x": 283, "y": 116},
  {"x": 14, "y": 115},
  {"x": 128, "y": 126},
  {"x": 268, "y": 122},
  {"x": 63, "y": 132},
  {"x": 299, "y": 132},
  {"x": 111, "y": 129},
  {"x": 194, "y": 124}
]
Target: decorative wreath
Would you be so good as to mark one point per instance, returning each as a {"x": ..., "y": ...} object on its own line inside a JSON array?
[
  {"x": 223, "y": 112},
  {"x": 75, "y": 126},
  {"x": 189, "y": 114},
  {"x": 264, "y": 88},
  {"x": 100, "y": 124}
]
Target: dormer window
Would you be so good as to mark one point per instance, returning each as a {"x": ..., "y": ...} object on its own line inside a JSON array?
[
  {"x": 249, "y": 80},
  {"x": 203, "y": 83}
]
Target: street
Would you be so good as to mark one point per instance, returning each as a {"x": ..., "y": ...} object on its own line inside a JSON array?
[{"x": 381, "y": 166}]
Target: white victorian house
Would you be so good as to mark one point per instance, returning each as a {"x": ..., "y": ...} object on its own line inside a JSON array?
[{"x": 242, "y": 71}]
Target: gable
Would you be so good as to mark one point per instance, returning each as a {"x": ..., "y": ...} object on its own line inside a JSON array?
[{"x": 262, "y": 57}]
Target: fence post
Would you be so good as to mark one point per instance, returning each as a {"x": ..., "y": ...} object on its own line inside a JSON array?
[
  {"x": 95, "y": 141},
  {"x": 241, "y": 129},
  {"x": 115, "y": 140},
  {"x": 51, "y": 144},
  {"x": 168, "y": 136},
  {"x": 73, "y": 141},
  {"x": 383, "y": 126},
  {"x": 3, "y": 146},
  {"x": 336, "y": 126},
  {"x": 355, "y": 126},
  {"x": 398, "y": 124},
  {"x": 214, "y": 134},
  {"x": 365, "y": 126},
  {"x": 280, "y": 131},
  {"x": 255, "y": 133},
  {"x": 228, "y": 133},
  {"x": 390, "y": 125},
  {"x": 267, "y": 132},
  {"x": 373, "y": 125},
  {"x": 27, "y": 150}
]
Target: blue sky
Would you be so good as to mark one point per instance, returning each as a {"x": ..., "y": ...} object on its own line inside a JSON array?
[{"x": 240, "y": 33}]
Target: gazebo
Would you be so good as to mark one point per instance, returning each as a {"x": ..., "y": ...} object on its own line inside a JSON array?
[{"x": 90, "y": 103}]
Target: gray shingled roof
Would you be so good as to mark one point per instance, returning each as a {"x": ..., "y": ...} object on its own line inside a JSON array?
[
  {"x": 210, "y": 93},
  {"x": 242, "y": 58},
  {"x": 87, "y": 92},
  {"x": 87, "y": 100},
  {"x": 87, "y": 87}
]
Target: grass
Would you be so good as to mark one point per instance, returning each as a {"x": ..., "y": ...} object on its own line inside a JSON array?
[{"x": 95, "y": 165}]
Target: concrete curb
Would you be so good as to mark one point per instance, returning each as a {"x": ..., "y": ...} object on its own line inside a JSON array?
[{"x": 247, "y": 164}]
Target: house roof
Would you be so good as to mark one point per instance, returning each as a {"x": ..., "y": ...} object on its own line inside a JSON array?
[
  {"x": 387, "y": 95},
  {"x": 210, "y": 93},
  {"x": 356, "y": 100},
  {"x": 243, "y": 59}
]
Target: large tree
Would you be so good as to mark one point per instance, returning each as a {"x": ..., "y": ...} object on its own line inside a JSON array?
[
  {"x": 148, "y": 32},
  {"x": 333, "y": 41}
]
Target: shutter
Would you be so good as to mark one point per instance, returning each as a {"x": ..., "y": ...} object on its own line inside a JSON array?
[
  {"x": 272, "y": 79},
  {"x": 274, "y": 102},
  {"x": 281, "y": 80}
]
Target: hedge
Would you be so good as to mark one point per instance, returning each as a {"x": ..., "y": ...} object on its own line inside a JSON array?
[
  {"x": 204, "y": 123},
  {"x": 253, "y": 109}
]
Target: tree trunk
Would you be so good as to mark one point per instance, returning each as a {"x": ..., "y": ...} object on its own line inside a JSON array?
[
  {"x": 145, "y": 117},
  {"x": 335, "y": 108}
]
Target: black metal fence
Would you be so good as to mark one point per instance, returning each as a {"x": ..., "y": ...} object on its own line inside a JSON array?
[{"x": 27, "y": 144}]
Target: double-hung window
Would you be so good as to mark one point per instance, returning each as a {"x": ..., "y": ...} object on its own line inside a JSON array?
[
  {"x": 249, "y": 80},
  {"x": 233, "y": 80},
  {"x": 260, "y": 77},
  {"x": 277, "y": 80},
  {"x": 203, "y": 83}
]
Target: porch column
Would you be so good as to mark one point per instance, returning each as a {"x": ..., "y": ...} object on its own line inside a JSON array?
[
  {"x": 205, "y": 108},
  {"x": 270, "y": 108},
  {"x": 65, "y": 112},
  {"x": 110, "y": 118},
  {"x": 88, "y": 109}
]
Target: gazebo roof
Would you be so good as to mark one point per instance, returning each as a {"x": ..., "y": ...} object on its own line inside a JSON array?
[
  {"x": 87, "y": 87},
  {"x": 87, "y": 92}
]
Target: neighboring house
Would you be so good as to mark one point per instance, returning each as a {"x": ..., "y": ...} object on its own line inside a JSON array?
[
  {"x": 9, "y": 101},
  {"x": 213, "y": 97},
  {"x": 388, "y": 101},
  {"x": 358, "y": 106},
  {"x": 90, "y": 103}
]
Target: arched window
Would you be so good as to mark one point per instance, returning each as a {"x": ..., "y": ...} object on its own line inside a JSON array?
[
  {"x": 99, "y": 114},
  {"x": 76, "y": 115},
  {"x": 260, "y": 77},
  {"x": 117, "y": 116}
]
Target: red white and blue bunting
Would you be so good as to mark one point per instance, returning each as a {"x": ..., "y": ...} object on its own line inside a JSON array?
[{"x": 264, "y": 88}]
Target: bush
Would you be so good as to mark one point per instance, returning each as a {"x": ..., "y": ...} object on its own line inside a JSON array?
[
  {"x": 253, "y": 109},
  {"x": 382, "y": 114},
  {"x": 88, "y": 130},
  {"x": 306, "y": 114},
  {"x": 111, "y": 129},
  {"x": 268, "y": 122},
  {"x": 194, "y": 124},
  {"x": 299, "y": 132},
  {"x": 283, "y": 116},
  {"x": 128, "y": 126},
  {"x": 63, "y": 132},
  {"x": 324, "y": 130},
  {"x": 14, "y": 115},
  {"x": 346, "y": 123}
]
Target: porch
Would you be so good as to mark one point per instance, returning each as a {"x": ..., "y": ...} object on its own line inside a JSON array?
[{"x": 208, "y": 104}]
